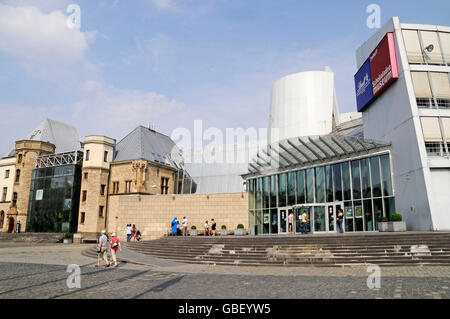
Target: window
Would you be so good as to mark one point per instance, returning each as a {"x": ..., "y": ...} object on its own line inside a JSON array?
[
  {"x": 82, "y": 218},
  {"x": 86, "y": 175},
  {"x": 102, "y": 190},
  {"x": 445, "y": 42},
  {"x": 14, "y": 201},
  {"x": 365, "y": 178},
  {"x": 441, "y": 88},
  {"x": 434, "y": 57},
  {"x": 251, "y": 193},
  {"x": 346, "y": 181},
  {"x": 105, "y": 156},
  {"x": 88, "y": 153},
  {"x": 2, "y": 219},
  {"x": 329, "y": 184},
  {"x": 128, "y": 186},
  {"x": 84, "y": 196},
  {"x": 164, "y": 185},
  {"x": 282, "y": 185},
  {"x": 422, "y": 89},
  {"x": 100, "y": 211},
  {"x": 258, "y": 198},
  {"x": 273, "y": 191},
  {"x": 375, "y": 174},
  {"x": 115, "y": 187},
  {"x": 17, "y": 175},
  {"x": 291, "y": 188},
  {"x": 386, "y": 175},
  {"x": 310, "y": 185},
  {"x": 431, "y": 129},
  {"x": 356, "y": 180},
  {"x": 19, "y": 159},
  {"x": 320, "y": 184},
  {"x": 412, "y": 45},
  {"x": 435, "y": 148},
  {"x": 266, "y": 192},
  {"x": 7, "y": 173},
  {"x": 337, "y": 181},
  {"x": 301, "y": 187},
  {"x": 5, "y": 192}
]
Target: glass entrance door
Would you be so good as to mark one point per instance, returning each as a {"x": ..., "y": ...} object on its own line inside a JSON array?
[
  {"x": 283, "y": 225},
  {"x": 302, "y": 218},
  {"x": 320, "y": 223}
]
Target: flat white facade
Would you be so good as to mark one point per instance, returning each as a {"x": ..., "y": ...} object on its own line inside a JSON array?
[
  {"x": 400, "y": 116},
  {"x": 7, "y": 175},
  {"x": 302, "y": 104}
]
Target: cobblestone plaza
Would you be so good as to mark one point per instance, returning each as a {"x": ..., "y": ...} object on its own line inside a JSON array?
[{"x": 31, "y": 271}]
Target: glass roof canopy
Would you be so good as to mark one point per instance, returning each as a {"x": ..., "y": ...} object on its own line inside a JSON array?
[{"x": 297, "y": 152}]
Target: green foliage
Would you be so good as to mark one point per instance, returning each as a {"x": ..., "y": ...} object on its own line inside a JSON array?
[
  {"x": 67, "y": 235},
  {"x": 193, "y": 227},
  {"x": 396, "y": 218},
  {"x": 240, "y": 226},
  {"x": 224, "y": 227},
  {"x": 384, "y": 219}
]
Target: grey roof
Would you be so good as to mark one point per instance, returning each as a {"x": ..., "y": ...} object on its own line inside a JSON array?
[
  {"x": 65, "y": 137},
  {"x": 350, "y": 128},
  {"x": 147, "y": 144},
  {"x": 297, "y": 152}
]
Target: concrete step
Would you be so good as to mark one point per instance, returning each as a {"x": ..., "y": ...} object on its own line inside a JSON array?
[{"x": 32, "y": 237}]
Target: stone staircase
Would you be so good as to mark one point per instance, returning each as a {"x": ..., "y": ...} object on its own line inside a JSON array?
[
  {"x": 32, "y": 237},
  {"x": 420, "y": 248}
]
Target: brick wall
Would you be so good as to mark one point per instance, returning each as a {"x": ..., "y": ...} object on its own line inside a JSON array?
[{"x": 153, "y": 214}]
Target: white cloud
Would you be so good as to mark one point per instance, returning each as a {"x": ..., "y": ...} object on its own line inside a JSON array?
[
  {"x": 41, "y": 43},
  {"x": 113, "y": 111},
  {"x": 163, "y": 4}
]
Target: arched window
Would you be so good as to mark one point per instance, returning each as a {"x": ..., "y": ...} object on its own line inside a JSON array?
[
  {"x": 14, "y": 201},
  {"x": 2, "y": 218},
  {"x": 19, "y": 160}
]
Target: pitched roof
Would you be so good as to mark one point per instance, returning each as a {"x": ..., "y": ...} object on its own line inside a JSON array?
[
  {"x": 65, "y": 137},
  {"x": 144, "y": 143}
]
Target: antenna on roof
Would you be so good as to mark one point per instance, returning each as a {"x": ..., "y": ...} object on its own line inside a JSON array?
[{"x": 151, "y": 126}]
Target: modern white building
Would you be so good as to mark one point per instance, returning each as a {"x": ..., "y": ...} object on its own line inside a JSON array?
[
  {"x": 303, "y": 104},
  {"x": 413, "y": 114},
  {"x": 395, "y": 159}
]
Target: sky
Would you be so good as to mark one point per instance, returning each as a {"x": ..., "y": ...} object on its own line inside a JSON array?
[{"x": 170, "y": 62}]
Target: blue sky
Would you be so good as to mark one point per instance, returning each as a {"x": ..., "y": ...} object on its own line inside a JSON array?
[{"x": 170, "y": 62}]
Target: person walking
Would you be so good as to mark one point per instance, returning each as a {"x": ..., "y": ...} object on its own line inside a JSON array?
[
  {"x": 138, "y": 235},
  {"x": 213, "y": 227},
  {"x": 304, "y": 222},
  {"x": 340, "y": 220},
  {"x": 102, "y": 250},
  {"x": 133, "y": 232},
  {"x": 114, "y": 246},
  {"x": 291, "y": 222},
  {"x": 128, "y": 232},
  {"x": 174, "y": 226},
  {"x": 206, "y": 231},
  {"x": 185, "y": 226}
]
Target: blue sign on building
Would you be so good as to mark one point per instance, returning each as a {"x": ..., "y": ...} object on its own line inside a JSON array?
[{"x": 363, "y": 86}]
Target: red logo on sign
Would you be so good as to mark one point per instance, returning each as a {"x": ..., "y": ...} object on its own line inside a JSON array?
[{"x": 383, "y": 65}]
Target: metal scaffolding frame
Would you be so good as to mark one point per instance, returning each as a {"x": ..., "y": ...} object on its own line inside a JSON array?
[{"x": 53, "y": 160}]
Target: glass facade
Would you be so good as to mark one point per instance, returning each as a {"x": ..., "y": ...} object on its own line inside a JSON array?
[
  {"x": 361, "y": 187},
  {"x": 54, "y": 199}
]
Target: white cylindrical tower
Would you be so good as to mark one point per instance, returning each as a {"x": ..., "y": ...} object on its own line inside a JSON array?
[{"x": 302, "y": 104}]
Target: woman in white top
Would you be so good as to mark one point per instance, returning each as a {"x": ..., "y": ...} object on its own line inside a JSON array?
[{"x": 206, "y": 228}]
